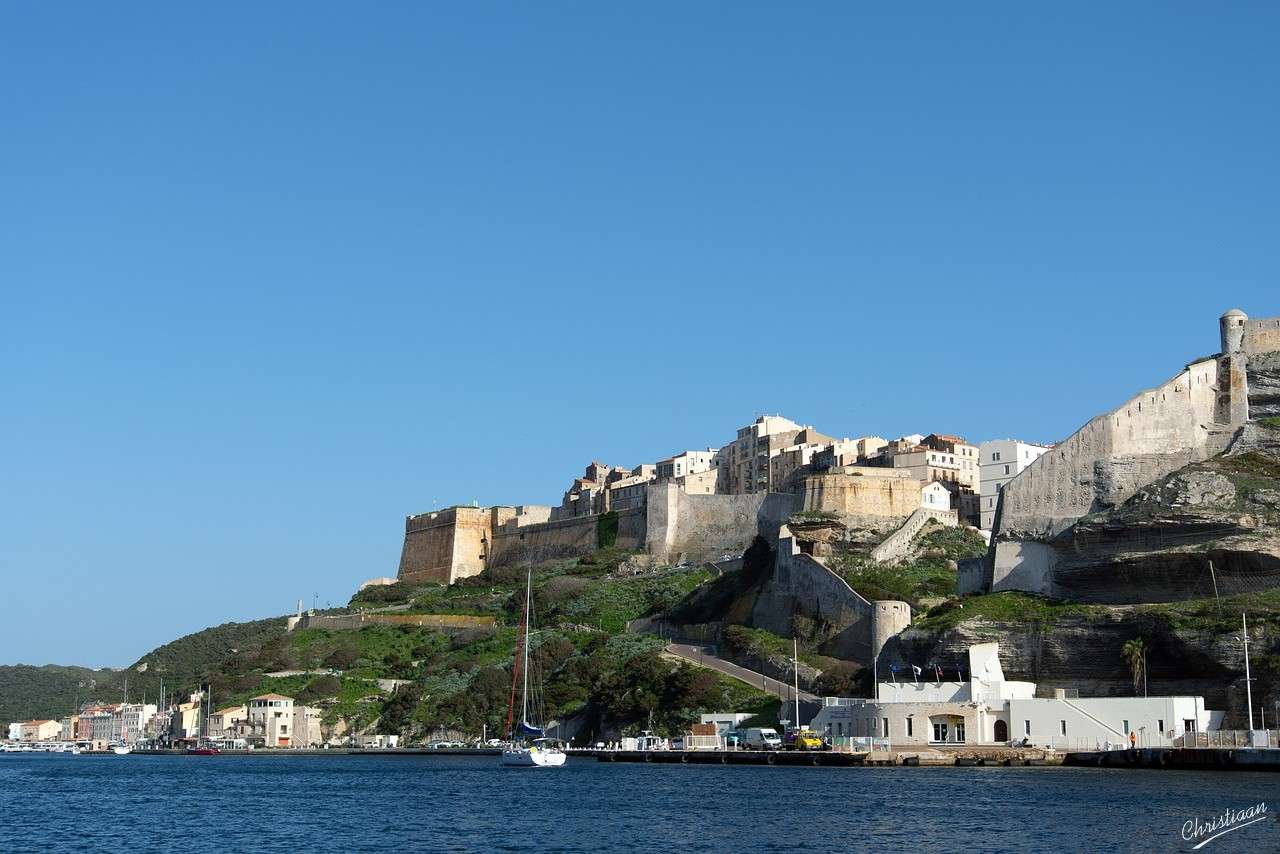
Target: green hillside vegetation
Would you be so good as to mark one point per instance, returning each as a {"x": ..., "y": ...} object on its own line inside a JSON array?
[
  {"x": 51, "y": 691},
  {"x": 591, "y": 669},
  {"x": 1008, "y": 607}
]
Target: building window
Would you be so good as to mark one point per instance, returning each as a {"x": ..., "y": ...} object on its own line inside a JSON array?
[
  {"x": 1026, "y": 727},
  {"x": 1161, "y": 722},
  {"x": 884, "y": 727},
  {"x": 939, "y": 732},
  {"x": 1064, "y": 727},
  {"x": 1006, "y": 469},
  {"x": 908, "y": 727},
  {"x": 1126, "y": 726}
]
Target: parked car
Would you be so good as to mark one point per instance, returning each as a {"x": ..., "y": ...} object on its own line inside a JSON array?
[
  {"x": 803, "y": 739},
  {"x": 762, "y": 738}
]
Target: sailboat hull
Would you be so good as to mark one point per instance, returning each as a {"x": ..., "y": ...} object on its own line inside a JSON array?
[{"x": 532, "y": 757}]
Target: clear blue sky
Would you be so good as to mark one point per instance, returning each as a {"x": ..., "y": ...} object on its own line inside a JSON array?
[{"x": 272, "y": 278}]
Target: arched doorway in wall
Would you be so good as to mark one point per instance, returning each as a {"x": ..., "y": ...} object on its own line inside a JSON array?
[{"x": 1002, "y": 731}]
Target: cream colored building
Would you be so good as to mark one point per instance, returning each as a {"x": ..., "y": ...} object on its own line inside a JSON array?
[
  {"x": 942, "y": 458},
  {"x": 626, "y": 492},
  {"x": 271, "y": 721},
  {"x": 184, "y": 722},
  {"x": 686, "y": 463},
  {"x": 40, "y": 730},
  {"x": 788, "y": 461},
  {"x": 228, "y": 722},
  {"x": 306, "y": 726},
  {"x": 745, "y": 463}
]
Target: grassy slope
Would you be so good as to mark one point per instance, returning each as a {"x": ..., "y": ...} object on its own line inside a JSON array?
[{"x": 927, "y": 575}]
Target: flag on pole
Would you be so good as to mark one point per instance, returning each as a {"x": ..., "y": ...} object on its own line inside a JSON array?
[
  {"x": 959, "y": 676},
  {"x": 893, "y": 673},
  {"x": 915, "y": 674},
  {"x": 937, "y": 673}
]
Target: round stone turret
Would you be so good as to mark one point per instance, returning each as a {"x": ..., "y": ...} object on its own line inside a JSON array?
[{"x": 1231, "y": 327}]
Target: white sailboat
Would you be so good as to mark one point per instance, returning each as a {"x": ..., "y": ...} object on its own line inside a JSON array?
[{"x": 529, "y": 747}]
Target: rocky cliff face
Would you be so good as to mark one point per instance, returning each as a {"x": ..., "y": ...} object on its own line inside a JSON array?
[{"x": 1264, "y": 386}]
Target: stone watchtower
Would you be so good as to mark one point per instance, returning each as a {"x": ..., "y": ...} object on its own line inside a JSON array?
[{"x": 1233, "y": 379}]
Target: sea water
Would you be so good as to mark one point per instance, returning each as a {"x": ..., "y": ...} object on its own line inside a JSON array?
[{"x": 196, "y": 804}]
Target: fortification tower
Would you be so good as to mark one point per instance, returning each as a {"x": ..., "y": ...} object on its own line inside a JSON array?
[
  {"x": 1233, "y": 377},
  {"x": 1231, "y": 325}
]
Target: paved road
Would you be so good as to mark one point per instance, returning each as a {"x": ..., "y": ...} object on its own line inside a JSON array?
[{"x": 703, "y": 655}]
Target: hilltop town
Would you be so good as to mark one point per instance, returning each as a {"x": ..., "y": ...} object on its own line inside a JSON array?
[{"x": 1121, "y": 555}]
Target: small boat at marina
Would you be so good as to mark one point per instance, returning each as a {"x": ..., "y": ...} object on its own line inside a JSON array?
[
  {"x": 121, "y": 749},
  {"x": 40, "y": 747},
  {"x": 529, "y": 746}
]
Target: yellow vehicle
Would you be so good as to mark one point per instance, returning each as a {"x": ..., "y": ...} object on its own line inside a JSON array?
[{"x": 805, "y": 740}]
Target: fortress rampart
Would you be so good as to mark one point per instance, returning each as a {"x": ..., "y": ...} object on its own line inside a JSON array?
[
  {"x": 1188, "y": 419},
  {"x": 855, "y": 628},
  {"x": 458, "y": 542}
]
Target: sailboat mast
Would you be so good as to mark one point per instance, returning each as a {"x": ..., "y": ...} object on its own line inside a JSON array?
[
  {"x": 528, "y": 608},
  {"x": 795, "y": 651}
]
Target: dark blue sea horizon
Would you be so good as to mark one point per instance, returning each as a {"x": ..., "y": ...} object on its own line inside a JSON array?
[{"x": 437, "y": 803}]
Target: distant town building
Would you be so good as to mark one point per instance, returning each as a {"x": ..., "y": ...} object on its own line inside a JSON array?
[
  {"x": 1001, "y": 460},
  {"x": 39, "y": 730},
  {"x": 306, "y": 726},
  {"x": 746, "y": 462},
  {"x": 134, "y": 718},
  {"x": 227, "y": 723},
  {"x": 935, "y": 496},
  {"x": 688, "y": 462}
]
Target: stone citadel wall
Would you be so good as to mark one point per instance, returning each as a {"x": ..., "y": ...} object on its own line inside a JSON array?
[
  {"x": 865, "y": 492},
  {"x": 855, "y": 628},
  {"x": 461, "y": 541}
]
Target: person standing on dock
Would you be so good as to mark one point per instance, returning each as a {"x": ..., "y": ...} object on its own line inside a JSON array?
[{"x": 1133, "y": 741}]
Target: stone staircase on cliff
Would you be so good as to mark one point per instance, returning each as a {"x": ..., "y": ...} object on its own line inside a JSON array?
[{"x": 897, "y": 546}]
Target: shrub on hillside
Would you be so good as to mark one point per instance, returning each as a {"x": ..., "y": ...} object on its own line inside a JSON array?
[
  {"x": 319, "y": 688},
  {"x": 342, "y": 658}
]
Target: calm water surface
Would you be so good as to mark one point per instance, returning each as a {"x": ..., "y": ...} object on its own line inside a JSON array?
[{"x": 407, "y": 803}]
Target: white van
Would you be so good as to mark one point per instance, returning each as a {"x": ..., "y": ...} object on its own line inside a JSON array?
[{"x": 761, "y": 738}]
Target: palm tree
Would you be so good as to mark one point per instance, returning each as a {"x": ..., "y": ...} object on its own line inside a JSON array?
[{"x": 1134, "y": 652}]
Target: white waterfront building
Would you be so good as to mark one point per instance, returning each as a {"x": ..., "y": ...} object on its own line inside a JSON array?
[
  {"x": 988, "y": 709},
  {"x": 999, "y": 462}
]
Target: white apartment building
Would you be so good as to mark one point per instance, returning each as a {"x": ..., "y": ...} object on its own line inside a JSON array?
[
  {"x": 686, "y": 463},
  {"x": 928, "y": 709},
  {"x": 15, "y": 731},
  {"x": 134, "y": 718},
  {"x": 271, "y": 721},
  {"x": 1000, "y": 462}
]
